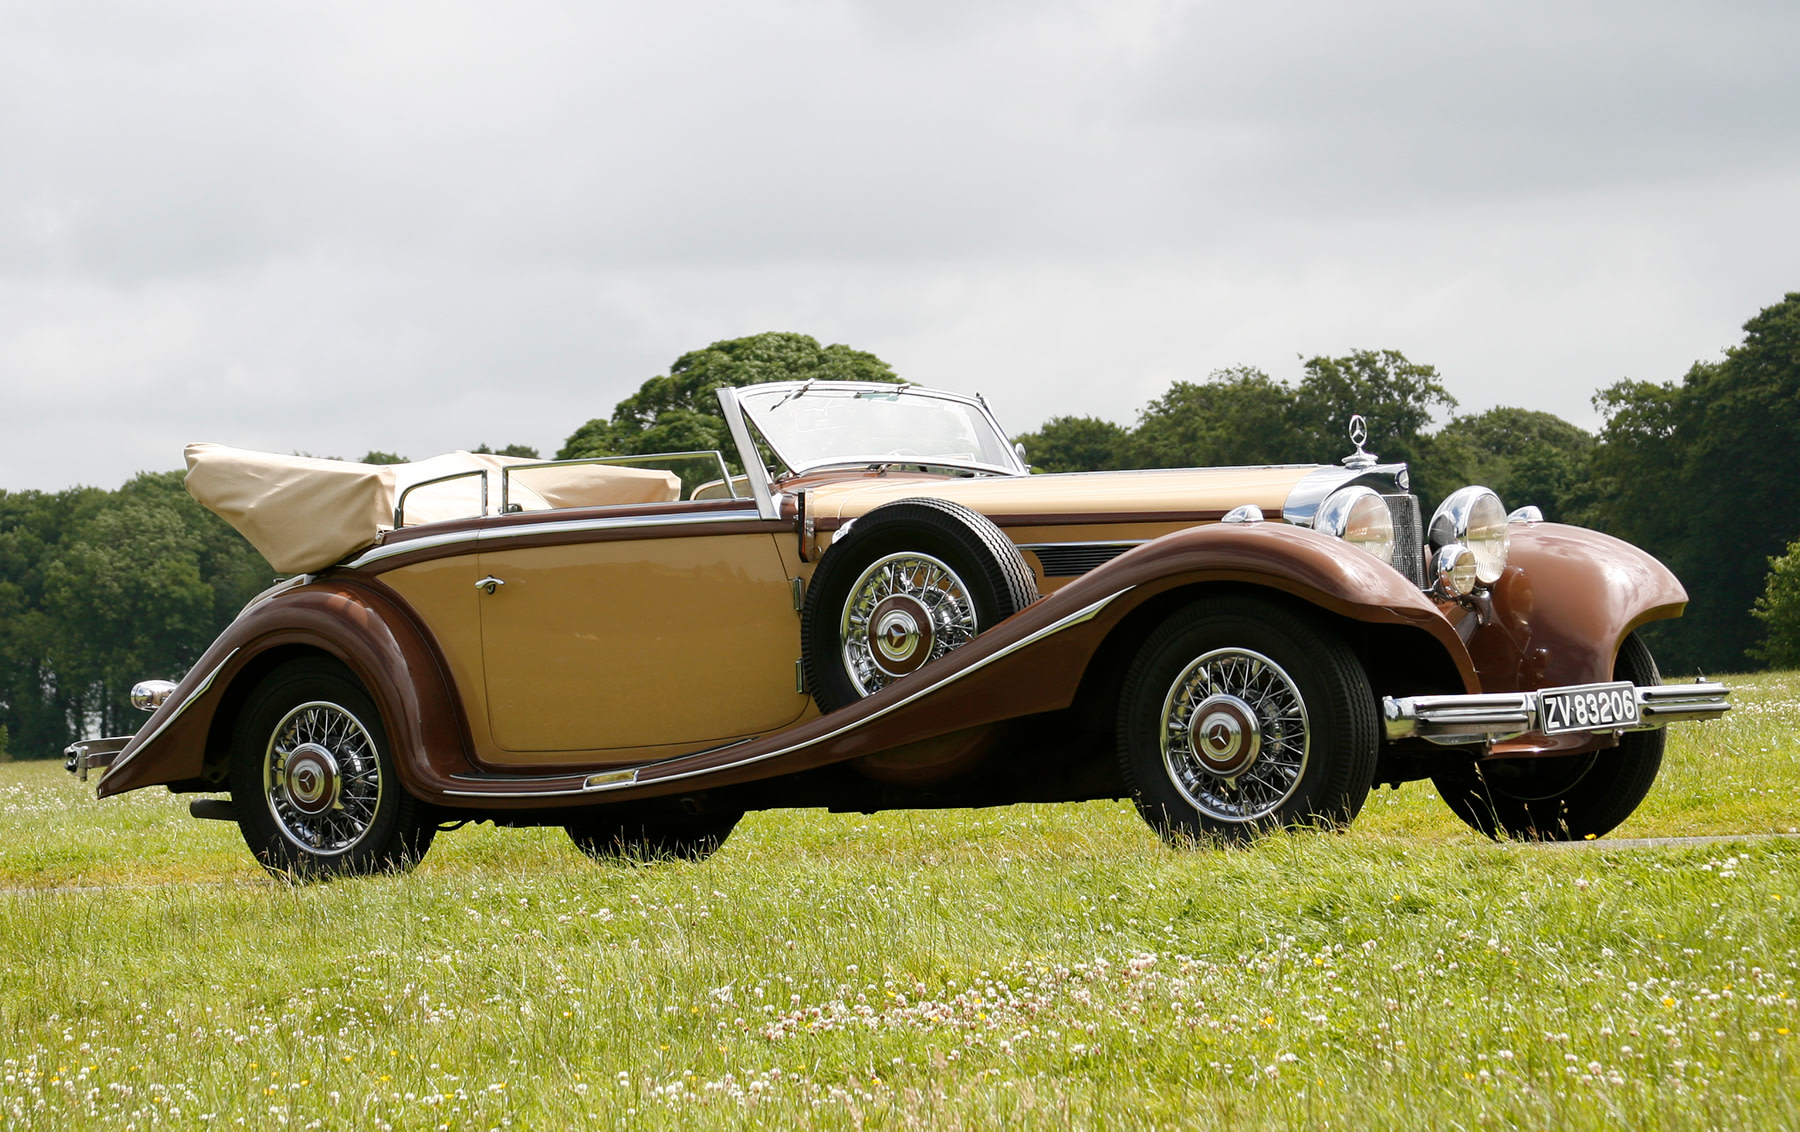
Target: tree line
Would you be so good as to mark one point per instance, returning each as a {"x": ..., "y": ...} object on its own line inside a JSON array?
[
  {"x": 99, "y": 589},
  {"x": 1703, "y": 472}
]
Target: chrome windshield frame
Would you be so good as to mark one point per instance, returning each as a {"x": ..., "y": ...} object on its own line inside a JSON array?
[
  {"x": 754, "y": 469},
  {"x": 787, "y": 390}
]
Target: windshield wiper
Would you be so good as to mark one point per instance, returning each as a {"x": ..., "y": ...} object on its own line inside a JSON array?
[{"x": 800, "y": 392}]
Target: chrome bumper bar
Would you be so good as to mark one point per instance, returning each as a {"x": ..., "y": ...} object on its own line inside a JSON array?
[
  {"x": 1456, "y": 720},
  {"x": 93, "y": 754}
]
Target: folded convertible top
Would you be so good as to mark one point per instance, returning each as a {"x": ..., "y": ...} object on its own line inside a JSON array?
[{"x": 303, "y": 513}]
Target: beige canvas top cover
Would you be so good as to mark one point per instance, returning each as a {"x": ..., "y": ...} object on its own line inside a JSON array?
[{"x": 303, "y": 513}]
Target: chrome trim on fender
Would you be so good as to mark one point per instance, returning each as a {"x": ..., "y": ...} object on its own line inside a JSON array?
[
  {"x": 199, "y": 690},
  {"x": 1457, "y": 720}
]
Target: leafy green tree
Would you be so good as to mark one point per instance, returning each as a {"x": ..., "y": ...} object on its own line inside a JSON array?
[
  {"x": 376, "y": 456},
  {"x": 1703, "y": 474},
  {"x": 523, "y": 451},
  {"x": 1398, "y": 398},
  {"x": 1236, "y": 416},
  {"x": 1074, "y": 444},
  {"x": 1779, "y": 609},
  {"x": 37, "y": 703},
  {"x": 1525, "y": 455},
  {"x": 101, "y": 589},
  {"x": 680, "y": 410}
]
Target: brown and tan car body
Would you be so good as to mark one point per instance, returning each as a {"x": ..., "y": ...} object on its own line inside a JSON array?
[{"x": 617, "y": 654}]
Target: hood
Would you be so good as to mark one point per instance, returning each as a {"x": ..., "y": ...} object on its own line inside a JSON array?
[{"x": 1102, "y": 495}]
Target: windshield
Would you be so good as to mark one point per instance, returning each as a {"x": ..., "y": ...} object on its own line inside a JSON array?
[{"x": 815, "y": 424}]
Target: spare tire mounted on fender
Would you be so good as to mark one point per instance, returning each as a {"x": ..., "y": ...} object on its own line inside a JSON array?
[{"x": 911, "y": 581}]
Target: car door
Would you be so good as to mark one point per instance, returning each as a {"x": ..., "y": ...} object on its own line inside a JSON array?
[{"x": 621, "y": 642}]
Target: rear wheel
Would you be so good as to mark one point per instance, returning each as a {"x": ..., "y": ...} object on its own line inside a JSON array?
[
  {"x": 614, "y": 838},
  {"x": 1238, "y": 717},
  {"x": 1563, "y": 797},
  {"x": 313, "y": 782}
]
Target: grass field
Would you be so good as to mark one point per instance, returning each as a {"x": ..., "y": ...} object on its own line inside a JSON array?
[{"x": 1047, "y": 965}]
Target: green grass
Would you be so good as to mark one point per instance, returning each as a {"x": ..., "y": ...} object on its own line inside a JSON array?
[{"x": 1047, "y": 965}]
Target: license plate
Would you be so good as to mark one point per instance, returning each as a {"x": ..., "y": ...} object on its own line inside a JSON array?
[{"x": 1587, "y": 707}]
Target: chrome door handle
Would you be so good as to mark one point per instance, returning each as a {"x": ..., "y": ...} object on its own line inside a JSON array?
[{"x": 489, "y": 584}]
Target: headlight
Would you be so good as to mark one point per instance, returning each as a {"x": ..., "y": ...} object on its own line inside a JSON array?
[
  {"x": 1455, "y": 570},
  {"x": 1360, "y": 517},
  {"x": 1475, "y": 517}
]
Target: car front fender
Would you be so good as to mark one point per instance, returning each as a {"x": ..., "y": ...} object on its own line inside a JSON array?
[{"x": 1564, "y": 606}]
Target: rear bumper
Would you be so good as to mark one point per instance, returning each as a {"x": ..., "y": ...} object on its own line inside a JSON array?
[
  {"x": 93, "y": 754},
  {"x": 1453, "y": 721}
]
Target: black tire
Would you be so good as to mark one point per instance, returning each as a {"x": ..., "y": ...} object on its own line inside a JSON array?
[
  {"x": 1563, "y": 797},
  {"x": 615, "y": 838},
  {"x": 313, "y": 782},
  {"x": 1296, "y": 749},
  {"x": 988, "y": 582}
]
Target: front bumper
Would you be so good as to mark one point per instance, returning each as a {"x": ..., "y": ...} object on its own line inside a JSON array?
[
  {"x": 1454, "y": 721},
  {"x": 93, "y": 754}
]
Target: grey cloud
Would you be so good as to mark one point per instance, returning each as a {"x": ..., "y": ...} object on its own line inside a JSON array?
[{"x": 418, "y": 226}]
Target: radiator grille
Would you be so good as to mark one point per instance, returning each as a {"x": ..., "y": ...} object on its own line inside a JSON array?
[
  {"x": 1072, "y": 559},
  {"x": 1409, "y": 537}
]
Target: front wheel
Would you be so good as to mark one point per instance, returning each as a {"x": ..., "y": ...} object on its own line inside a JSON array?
[
  {"x": 1563, "y": 797},
  {"x": 313, "y": 782},
  {"x": 1238, "y": 717}
]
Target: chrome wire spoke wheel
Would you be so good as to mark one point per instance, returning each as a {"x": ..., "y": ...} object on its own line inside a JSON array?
[
  {"x": 1234, "y": 735},
  {"x": 322, "y": 778},
  {"x": 903, "y": 612}
]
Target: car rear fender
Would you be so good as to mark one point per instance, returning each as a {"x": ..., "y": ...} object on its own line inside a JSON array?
[{"x": 360, "y": 623}]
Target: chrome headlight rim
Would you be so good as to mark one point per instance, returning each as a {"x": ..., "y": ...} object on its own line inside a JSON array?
[
  {"x": 1346, "y": 510},
  {"x": 1453, "y": 572},
  {"x": 1474, "y": 518}
]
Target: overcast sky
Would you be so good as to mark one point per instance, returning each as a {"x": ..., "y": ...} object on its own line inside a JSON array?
[{"x": 425, "y": 226}]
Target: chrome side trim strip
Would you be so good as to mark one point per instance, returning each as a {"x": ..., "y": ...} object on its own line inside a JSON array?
[
  {"x": 557, "y": 793},
  {"x": 495, "y": 534},
  {"x": 429, "y": 542},
  {"x": 388, "y": 550},
  {"x": 198, "y": 691}
]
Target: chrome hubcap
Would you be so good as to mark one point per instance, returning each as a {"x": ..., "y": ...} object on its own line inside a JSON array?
[
  {"x": 322, "y": 778},
  {"x": 1234, "y": 735},
  {"x": 905, "y": 610},
  {"x": 311, "y": 778}
]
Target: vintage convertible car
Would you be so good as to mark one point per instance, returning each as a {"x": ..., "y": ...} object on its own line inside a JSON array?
[{"x": 872, "y": 604}]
